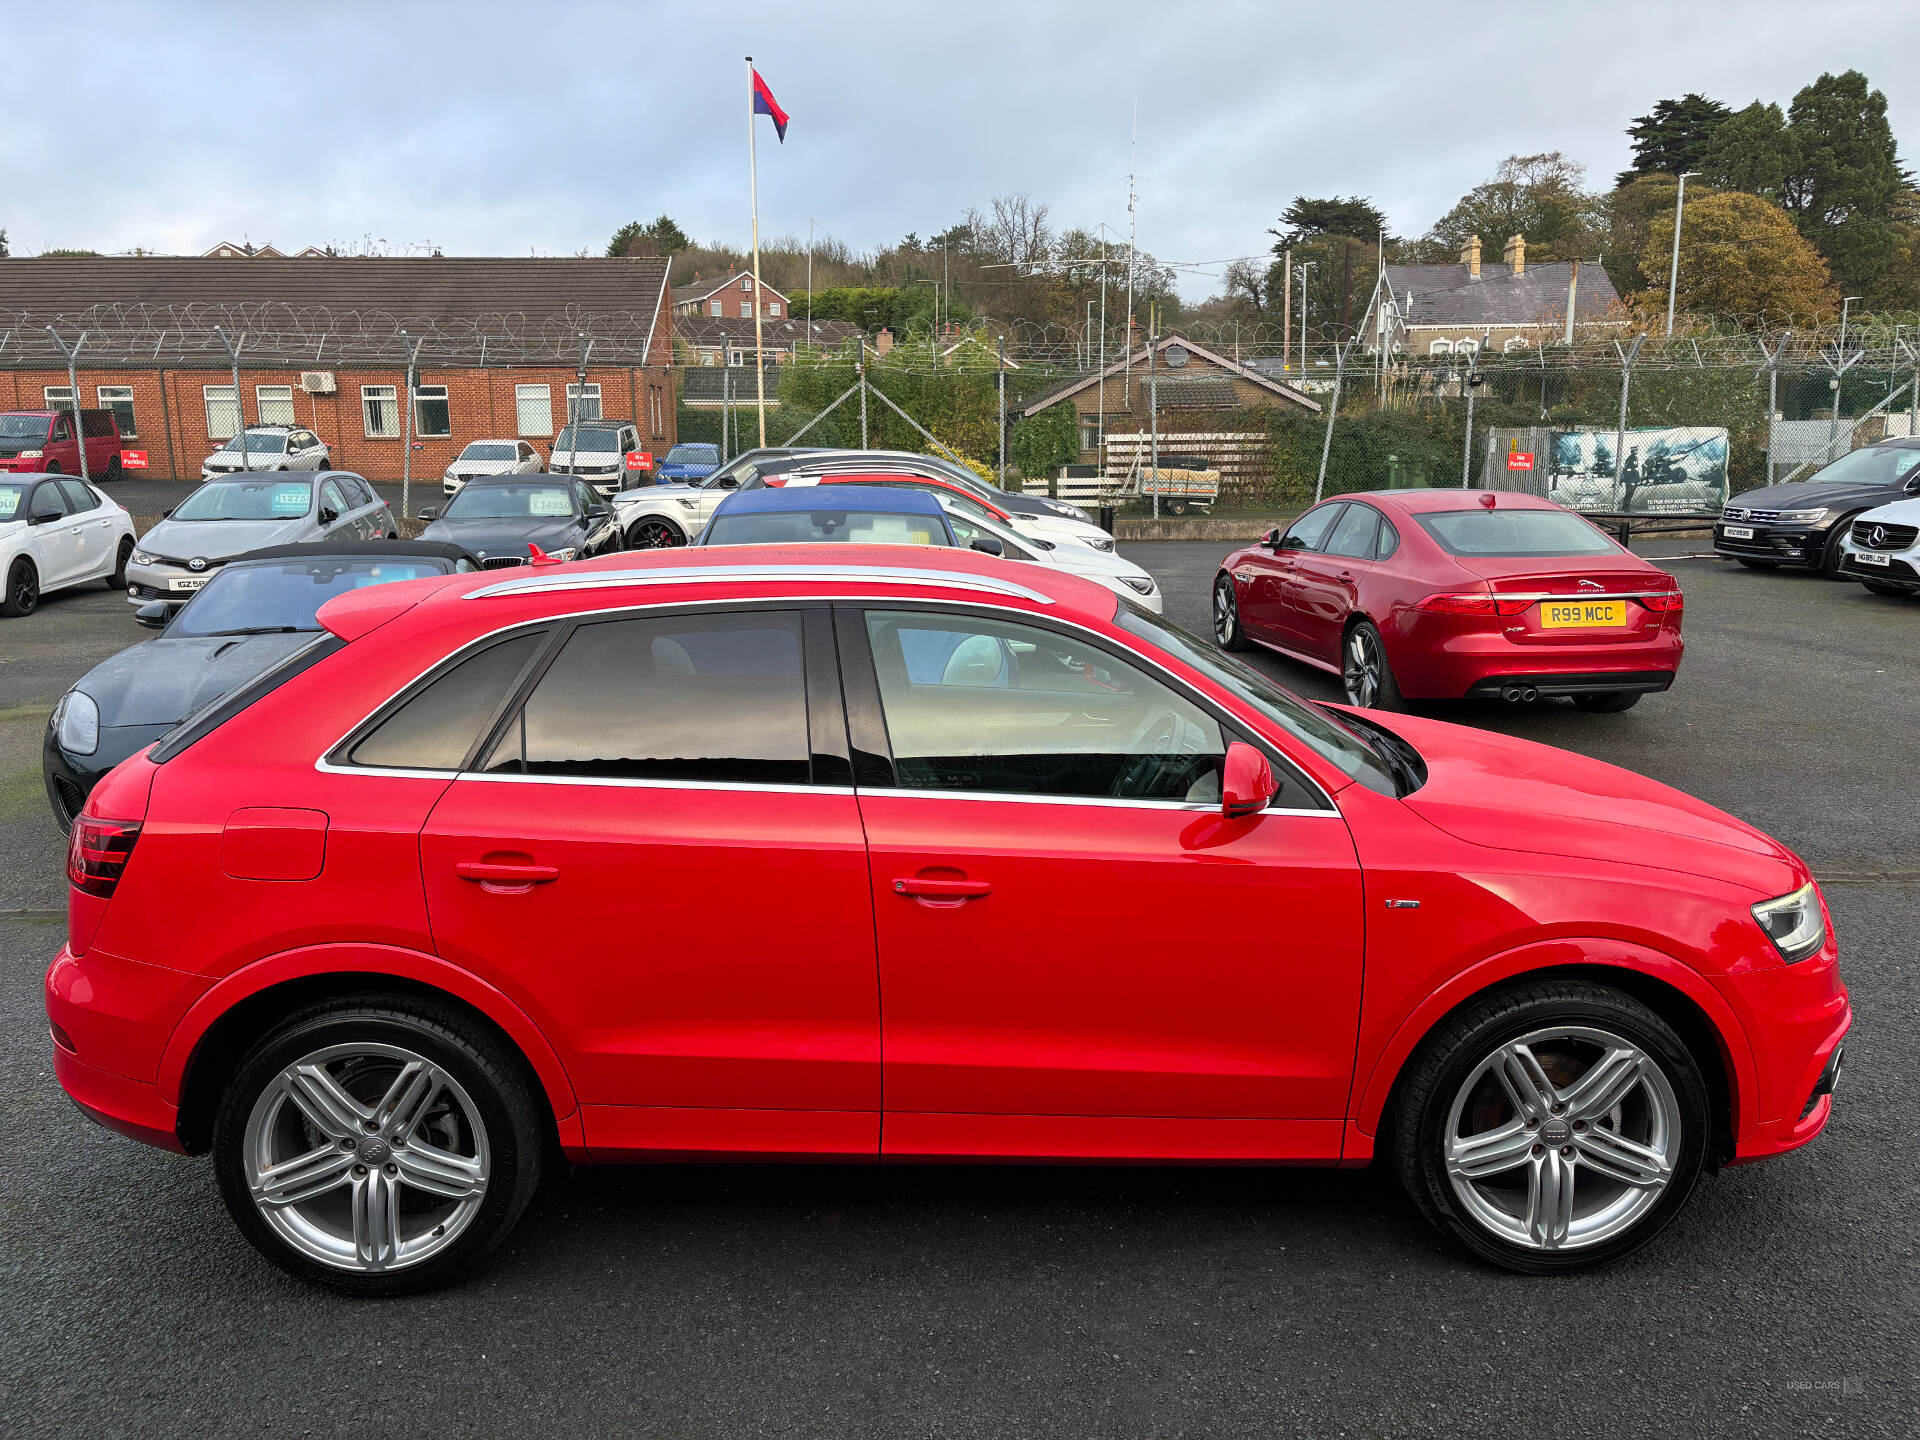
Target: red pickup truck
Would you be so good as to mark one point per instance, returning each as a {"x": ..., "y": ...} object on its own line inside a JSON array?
[{"x": 44, "y": 440}]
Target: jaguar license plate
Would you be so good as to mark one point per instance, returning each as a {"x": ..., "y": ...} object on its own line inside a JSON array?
[
  {"x": 187, "y": 582},
  {"x": 1582, "y": 614},
  {"x": 1867, "y": 557},
  {"x": 1737, "y": 532}
]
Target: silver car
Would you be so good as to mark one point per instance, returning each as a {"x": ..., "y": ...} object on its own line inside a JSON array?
[
  {"x": 491, "y": 457},
  {"x": 233, "y": 514},
  {"x": 269, "y": 447}
]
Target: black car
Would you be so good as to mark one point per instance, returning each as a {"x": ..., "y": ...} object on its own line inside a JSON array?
[
  {"x": 1803, "y": 522},
  {"x": 498, "y": 517},
  {"x": 257, "y": 610}
]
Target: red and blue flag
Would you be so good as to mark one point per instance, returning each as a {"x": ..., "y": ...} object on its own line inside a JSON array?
[{"x": 765, "y": 104}]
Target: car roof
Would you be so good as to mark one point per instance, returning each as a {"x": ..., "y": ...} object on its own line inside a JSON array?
[
  {"x": 494, "y": 440},
  {"x": 870, "y": 498},
  {"x": 524, "y": 478},
  {"x": 346, "y": 549},
  {"x": 1426, "y": 502}
]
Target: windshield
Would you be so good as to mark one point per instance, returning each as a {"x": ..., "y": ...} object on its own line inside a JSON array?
[
  {"x": 1515, "y": 533},
  {"x": 527, "y": 500},
  {"x": 1872, "y": 466},
  {"x": 693, "y": 455},
  {"x": 593, "y": 438},
  {"x": 802, "y": 527},
  {"x": 23, "y": 427},
  {"x": 285, "y": 595},
  {"x": 481, "y": 450},
  {"x": 1312, "y": 726},
  {"x": 257, "y": 444},
  {"x": 278, "y": 498},
  {"x": 12, "y": 497}
]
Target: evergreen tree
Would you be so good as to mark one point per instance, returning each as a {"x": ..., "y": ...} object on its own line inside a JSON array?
[
  {"x": 1356, "y": 217},
  {"x": 1673, "y": 136}
]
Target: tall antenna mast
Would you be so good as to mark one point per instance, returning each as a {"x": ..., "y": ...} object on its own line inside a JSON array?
[{"x": 1133, "y": 233}]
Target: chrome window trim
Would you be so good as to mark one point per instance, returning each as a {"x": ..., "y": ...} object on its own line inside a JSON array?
[
  {"x": 1102, "y": 802},
  {"x": 793, "y": 574}
]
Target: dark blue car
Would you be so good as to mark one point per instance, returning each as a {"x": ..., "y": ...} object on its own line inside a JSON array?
[{"x": 686, "y": 463}]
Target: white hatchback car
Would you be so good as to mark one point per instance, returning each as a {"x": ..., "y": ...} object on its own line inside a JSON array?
[
  {"x": 269, "y": 447},
  {"x": 1123, "y": 577},
  {"x": 1882, "y": 549},
  {"x": 491, "y": 457},
  {"x": 57, "y": 531}
]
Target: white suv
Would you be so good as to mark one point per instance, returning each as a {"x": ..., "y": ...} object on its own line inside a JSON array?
[
  {"x": 1882, "y": 549},
  {"x": 597, "y": 451},
  {"x": 658, "y": 517},
  {"x": 269, "y": 447}
]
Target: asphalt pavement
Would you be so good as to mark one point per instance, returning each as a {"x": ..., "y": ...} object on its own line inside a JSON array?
[{"x": 1034, "y": 1300}]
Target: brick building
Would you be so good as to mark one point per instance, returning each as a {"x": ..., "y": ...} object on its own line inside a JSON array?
[
  {"x": 728, "y": 297},
  {"x": 324, "y": 345},
  {"x": 1467, "y": 307}
]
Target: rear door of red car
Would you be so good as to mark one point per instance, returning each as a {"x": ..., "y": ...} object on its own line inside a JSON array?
[
  {"x": 661, "y": 839},
  {"x": 1079, "y": 955}
]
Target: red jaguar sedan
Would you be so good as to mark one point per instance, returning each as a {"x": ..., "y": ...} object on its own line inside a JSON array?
[
  {"x": 1450, "y": 594},
  {"x": 895, "y": 854}
]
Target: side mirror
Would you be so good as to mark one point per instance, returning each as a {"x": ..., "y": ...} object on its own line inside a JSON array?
[
  {"x": 328, "y": 515},
  {"x": 1912, "y": 487},
  {"x": 988, "y": 545},
  {"x": 729, "y": 482},
  {"x": 154, "y": 614},
  {"x": 599, "y": 512},
  {"x": 428, "y": 514},
  {"x": 1246, "y": 782},
  {"x": 44, "y": 517},
  {"x": 167, "y": 514},
  {"x": 1271, "y": 539}
]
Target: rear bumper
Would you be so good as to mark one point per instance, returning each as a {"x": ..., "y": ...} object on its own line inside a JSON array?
[
  {"x": 1481, "y": 663},
  {"x": 129, "y": 1107},
  {"x": 1598, "y": 682}
]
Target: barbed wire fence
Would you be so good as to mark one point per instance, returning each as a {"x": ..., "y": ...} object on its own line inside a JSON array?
[{"x": 1788, "y": 398}]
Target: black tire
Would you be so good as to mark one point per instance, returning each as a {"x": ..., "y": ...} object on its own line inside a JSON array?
[
  {"x": 1881, "y": 587},
  {"x": 491, "y": 1078},
  {"x": 655, "y": 533},
  {"x": 324, "y": 465},
  {"x": 118, "y": 579},
  {"x": 1364, "y": 668},
  {"x": 53, "y": 468},
  {"x": 1227, "y": 633},
  {"x": 1836, "y": 549},
  {"x": 1610, "y": 704},
  {"x": 22, "y": 595},
  {"x": 1758, "y": 564},
  {"x": 1418, "y": 1125},
  {"x": 1177, "y": 507},
  {"x": 114, "y": 471}
]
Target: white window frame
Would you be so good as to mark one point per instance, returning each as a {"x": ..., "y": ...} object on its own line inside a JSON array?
[
  {"x": 1440, "y": 347},
  {"x": 112, "y": 396},
  {"x": 57, "y": 396},
  {"x": 217, "y": 428},
  {"x": 588, "y": 397},
  {"x": 736, "y": 357},
  {"x": 1513, "y": 343},
  {"x": 431, "y": 392},
  {"x": 746, "y": 284},
  {"x": 1466, "y": 347},
  {"x": 376, "y": 395},
  {"x": 773, "y": 307},
  {"x": 264, "y": 395},
  {"x": 526, "y": 395},
  {"x": 716, "y": 308}
]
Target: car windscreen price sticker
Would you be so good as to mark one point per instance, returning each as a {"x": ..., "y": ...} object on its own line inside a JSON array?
[
  {"x": 291, "y": 501},
  {"x": 133, "y": 459},
  {"x": 639, "y": 460},
  {"x": 549, "y": 502},
  {"x": 1520, "y": 460}
]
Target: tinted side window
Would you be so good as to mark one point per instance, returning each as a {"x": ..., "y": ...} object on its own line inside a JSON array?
[
  {"x": 1310, "y": 529},
  {"x": 436, "y": 728},
  {"x": 78, "y": 496},
  {"x": 1353, "y": 536},
  {"x": 973, "y": 704},
  {"x": 718, "y": 698},
  {"x": 1389, "y": 540}
]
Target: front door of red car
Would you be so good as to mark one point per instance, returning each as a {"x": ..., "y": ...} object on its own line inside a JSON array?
[
  {"x": 1078, "y": 954},
  {"x": 1267, "y": 591},
  {"x": 1326, "y": 581},
  {"x": 655, "y": 853}
]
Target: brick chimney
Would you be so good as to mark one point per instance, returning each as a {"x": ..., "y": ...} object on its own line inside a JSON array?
[
  {"x": 1470, "y": 257},
  {"x": 1516, "y": 254}
]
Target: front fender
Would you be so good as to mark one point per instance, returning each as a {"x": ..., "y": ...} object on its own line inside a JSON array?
[
  {"x": 1375, "y": 1078},
  {"x": 369, "y": 960}
]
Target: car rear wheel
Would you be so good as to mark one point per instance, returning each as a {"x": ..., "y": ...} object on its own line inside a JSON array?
[
  {"x": 1606, "y": 704},
  {"x": 22, "y": 595},
  {"x": 654, "y": 533},
  {"x": 1555, "y": 1126},
  {"x": 53, "y": 468},
  {"x": 113, "y": 470},
  {"x": 1760, "y": 564},
  {"x": 1226, "y": 616},
  {"x": 324, "y": 465},
  {"x": 376, "y": 1146},
  {"x": 1365, "y": 673},
  {"x": 118, "y": 579}
]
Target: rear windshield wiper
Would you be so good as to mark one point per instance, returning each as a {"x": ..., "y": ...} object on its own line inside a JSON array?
[{"x": 266, "y": 630}]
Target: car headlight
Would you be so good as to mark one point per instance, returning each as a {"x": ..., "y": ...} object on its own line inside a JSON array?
[
  {"x": 1795, "y": 923},
  {"x": 1141, "y": 583},
  {"x": 32, "y": 454},
  {"x": 566, "y": 554},
  {"x": 1103, "y": 546},
  {"x": 142, "y": 557},
  {"x": 1802, "y": 517},
  {"x": 79, "y": 729}
]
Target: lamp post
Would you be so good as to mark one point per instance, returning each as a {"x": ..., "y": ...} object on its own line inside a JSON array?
[
  {"x": 1673, "y": 271},
  {"x": 1845, "y": 305}
]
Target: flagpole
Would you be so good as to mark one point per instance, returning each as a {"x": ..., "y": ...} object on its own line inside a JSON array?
[{"x": 759, "y": 343}]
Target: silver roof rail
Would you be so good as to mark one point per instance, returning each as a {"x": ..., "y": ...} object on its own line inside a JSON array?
[{"x": 756, "y": 574}]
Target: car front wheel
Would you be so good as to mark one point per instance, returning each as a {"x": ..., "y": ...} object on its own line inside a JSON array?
[
  {"x": 655, "y": 534},
  {"x": 1556, "y": 1126},
  {"x": 118, "y": 579},
  {"x": 376, "y": 1146},
  {"x": 1226, "y": 616}
]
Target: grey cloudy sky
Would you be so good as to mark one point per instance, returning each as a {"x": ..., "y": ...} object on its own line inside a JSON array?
[{"x": 504, "y": 128}]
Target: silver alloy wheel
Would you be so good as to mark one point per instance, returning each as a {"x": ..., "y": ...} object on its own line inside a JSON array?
[
  {"x": 1562, "y": 1138},
  {"x": 1361, "y": 675},
  {"x": 1224, "y": 611},
  {"x": 366, "y": 1157}
]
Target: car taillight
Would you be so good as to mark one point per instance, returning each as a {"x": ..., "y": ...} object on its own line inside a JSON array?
[
  {"x": 1474, "y": 602},
  {"x": 1665, "y": 604},
  {"x": 98, "y": 853}
]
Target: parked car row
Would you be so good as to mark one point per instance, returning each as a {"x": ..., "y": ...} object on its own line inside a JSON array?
[{"x": 1856, "y": 518}]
